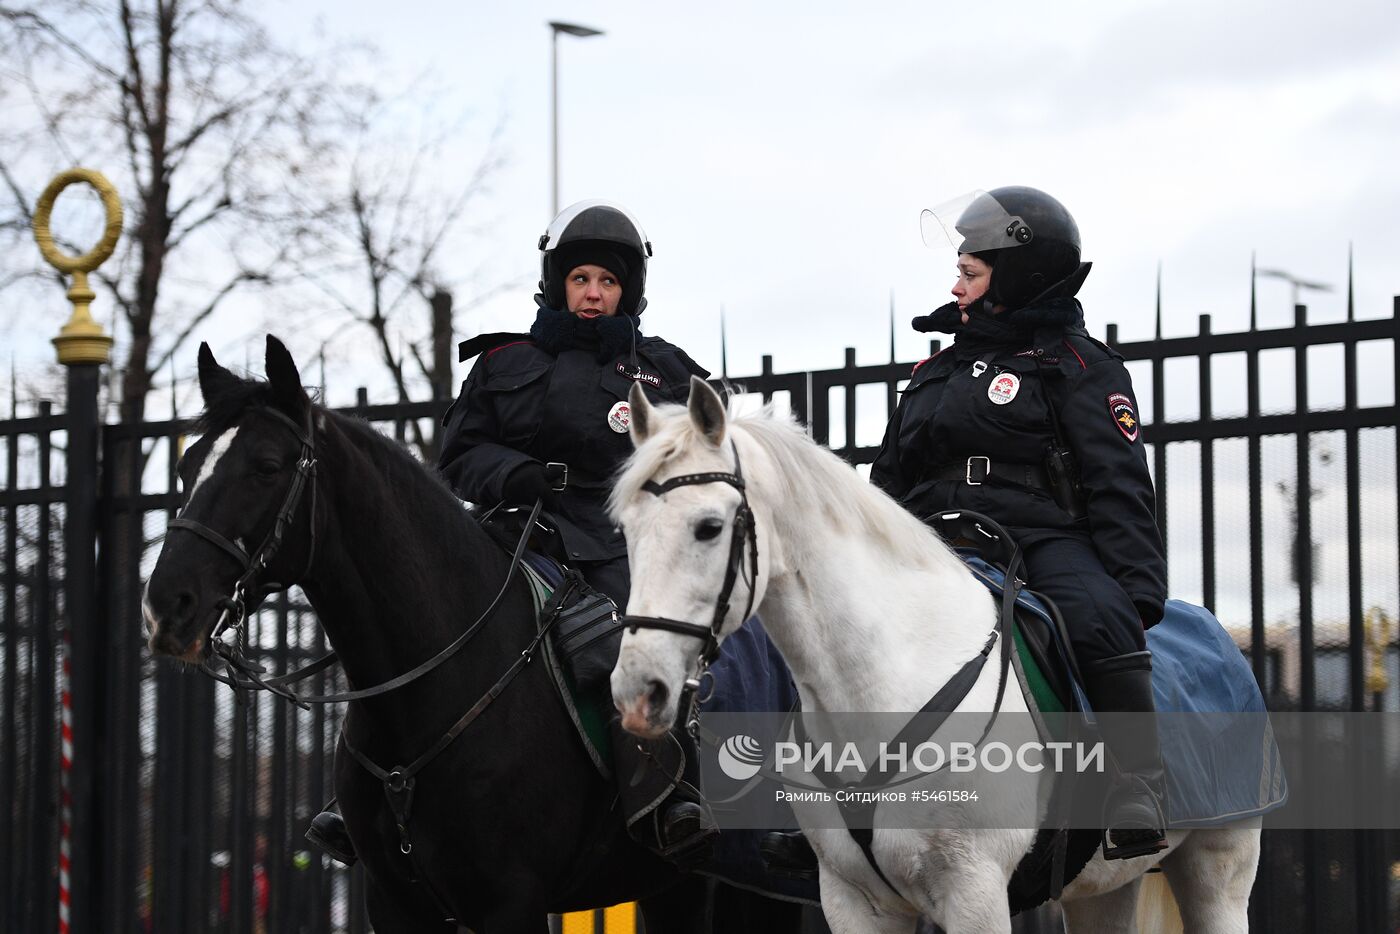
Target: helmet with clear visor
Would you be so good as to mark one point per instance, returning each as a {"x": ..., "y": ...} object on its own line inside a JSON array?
[
  {"x": 585, "y": 232},
  {"x": 1027, "y": 237}
]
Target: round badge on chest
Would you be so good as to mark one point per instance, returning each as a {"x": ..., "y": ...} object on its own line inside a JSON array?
[
  {"x": 1004, "y": 388},
  {"x": 620, "y": 417}
]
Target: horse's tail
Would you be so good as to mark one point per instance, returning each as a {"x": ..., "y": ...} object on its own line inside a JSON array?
[{"x": 1157, "y": 912}]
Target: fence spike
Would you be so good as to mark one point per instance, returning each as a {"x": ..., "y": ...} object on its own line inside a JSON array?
[
  {"x": 1159, "y": 299},
  {"x": 1253, "y": 299},
  {"x": 892, "y": 357},
  {"x": 1351, "y": 286},
  {"x": 723, "y": 346}
]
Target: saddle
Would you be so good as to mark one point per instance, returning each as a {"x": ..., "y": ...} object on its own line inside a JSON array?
[
  {"x": 582, "y": 646},
  {"x": 1197, "y": 668},
  {"x": 1049, "y": 678}
]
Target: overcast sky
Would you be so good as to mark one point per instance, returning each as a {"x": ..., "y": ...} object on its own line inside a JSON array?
[{"x": 779, "y": 154}]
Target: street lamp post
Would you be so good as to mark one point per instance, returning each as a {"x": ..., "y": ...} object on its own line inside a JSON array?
[
  {"x": 582, "y": 32},
  {"x": 1296, "y": 283}
]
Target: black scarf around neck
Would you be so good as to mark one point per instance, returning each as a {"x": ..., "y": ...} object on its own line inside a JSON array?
[
  {"x": 557, "y": 331},
  {"x": 985, "y": 330}
]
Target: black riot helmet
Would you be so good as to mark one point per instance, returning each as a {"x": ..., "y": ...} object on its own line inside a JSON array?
[
  {"x": 1027, "y": 237},
  {"x": 597, "y": 233}
]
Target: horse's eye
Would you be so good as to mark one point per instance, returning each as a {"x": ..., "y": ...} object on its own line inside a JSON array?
[
  {"x": 268, "y": 468},
  {"x": 707, "y": 529}
]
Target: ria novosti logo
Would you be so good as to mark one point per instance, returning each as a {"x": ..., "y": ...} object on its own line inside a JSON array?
[{"x": 740, "y": 757}]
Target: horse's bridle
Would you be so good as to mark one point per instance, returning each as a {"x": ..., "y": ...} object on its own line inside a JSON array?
[
  {"x": 744, "y": 533},
  {"x": 235, "y": 606}
]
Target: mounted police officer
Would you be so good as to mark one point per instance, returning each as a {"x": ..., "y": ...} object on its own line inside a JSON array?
[
  {"x": 1027, "y": 419},
  {"x": 544, "y": 415}
]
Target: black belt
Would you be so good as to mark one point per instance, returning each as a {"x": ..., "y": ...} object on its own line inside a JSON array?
[
  {"x": 562, "y": 476},
  {"x": 977, "y": 469}
]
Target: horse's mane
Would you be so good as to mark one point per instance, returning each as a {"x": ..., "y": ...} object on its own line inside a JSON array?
[
  {"x": 232, "y": 400},
  {"x": 423, "y": 501},
  {"x": 810, "y": 477}
]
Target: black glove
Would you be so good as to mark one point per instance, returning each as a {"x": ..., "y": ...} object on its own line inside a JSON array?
[{"x": 527, "y": 483}]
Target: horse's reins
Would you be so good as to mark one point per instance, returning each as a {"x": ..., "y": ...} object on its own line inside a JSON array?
[
  {"x": 398, "y": 781},
  {"x": 744, "y": 533},
  {"x": 246, "y": 675}
]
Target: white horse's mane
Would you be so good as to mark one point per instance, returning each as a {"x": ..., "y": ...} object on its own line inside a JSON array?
[{"x": 811, "y": 478}]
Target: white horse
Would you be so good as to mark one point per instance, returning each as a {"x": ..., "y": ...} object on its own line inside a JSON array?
[{"x": 873, "y": 612}]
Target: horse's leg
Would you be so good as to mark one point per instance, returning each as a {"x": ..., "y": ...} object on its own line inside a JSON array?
[
  {"x": 735, "y": 909},
  {"x": 1211, "y": 875},
  {"x": 1114, "y": 911},
  {"x": 970, "y": 896},
  {"x": 849, "y": 911},
  {"x": 683, "y": 908}
]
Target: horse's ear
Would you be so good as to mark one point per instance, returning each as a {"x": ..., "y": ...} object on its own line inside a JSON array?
[
  {"x": 213, "y": 378},
  {"x": 707, "y": 411},
  {"x": 282, "y": 373},
  {"x": 641, "y": 414}
]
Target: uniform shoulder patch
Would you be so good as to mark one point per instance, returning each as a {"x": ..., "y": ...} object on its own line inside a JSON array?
[
  {"x": 925, "y": 360},
  {"x": 483, "y": 342},
  {"x": 1120, "y": 409},
  {"x": 1089, "y": 350}
]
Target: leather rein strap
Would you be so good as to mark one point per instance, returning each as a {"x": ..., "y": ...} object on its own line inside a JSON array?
[
  {"x": 743, "y": 534},
  {"x": 244, "y": 674}
]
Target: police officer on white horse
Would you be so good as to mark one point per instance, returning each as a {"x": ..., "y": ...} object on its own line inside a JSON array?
[{"x": 1027, "y": 419}]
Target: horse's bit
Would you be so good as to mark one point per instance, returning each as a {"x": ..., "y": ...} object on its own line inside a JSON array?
[{"x": 744, "y": 532}]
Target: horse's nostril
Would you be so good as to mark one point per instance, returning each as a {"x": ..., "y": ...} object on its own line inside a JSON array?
[
  {"x": 184, "y": 605},
  {"x": 657, "y": 694}
]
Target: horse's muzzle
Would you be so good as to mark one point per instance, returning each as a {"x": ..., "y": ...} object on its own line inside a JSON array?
[{"x": 645, "y": 714}]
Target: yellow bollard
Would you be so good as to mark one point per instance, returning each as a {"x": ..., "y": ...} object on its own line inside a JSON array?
[{"x": 619, "y": 919}]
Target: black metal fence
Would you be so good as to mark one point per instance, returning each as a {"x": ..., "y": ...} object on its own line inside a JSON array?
[{"x": 200, "y": 799}]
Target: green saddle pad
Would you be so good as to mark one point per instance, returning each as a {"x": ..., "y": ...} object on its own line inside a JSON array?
[
  {"x": 1037, "y": 685},
  {"x": 589, "y": 710}
]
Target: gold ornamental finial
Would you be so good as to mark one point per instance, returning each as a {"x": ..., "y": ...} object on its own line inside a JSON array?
[
  {"x": 1377, "y": 629},
  {"x": 82, "y": 339}
]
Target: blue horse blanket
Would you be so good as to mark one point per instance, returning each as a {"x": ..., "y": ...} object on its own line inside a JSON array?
[
  {"x": 1220, "y": 768},
  {"x": 750, "y": 675}
]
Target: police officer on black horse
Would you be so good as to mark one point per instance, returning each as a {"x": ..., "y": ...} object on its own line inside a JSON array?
[{"x": 543, "y": 415}]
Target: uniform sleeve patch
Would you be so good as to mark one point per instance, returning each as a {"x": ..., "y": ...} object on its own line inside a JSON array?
[{"x": 1120, "y": 408}]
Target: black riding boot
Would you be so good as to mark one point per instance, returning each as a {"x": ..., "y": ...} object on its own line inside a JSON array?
[
  {"x": 327, "y": 831},
  {"x": 665, "y": 813},
  {"x": 1134, "y": 813}
]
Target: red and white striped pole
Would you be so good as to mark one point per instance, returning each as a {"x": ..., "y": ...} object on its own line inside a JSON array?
[{"x": 65, "y": 847}]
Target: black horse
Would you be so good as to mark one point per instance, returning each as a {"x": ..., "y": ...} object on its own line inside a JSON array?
[{"x": 511, "y": 820}]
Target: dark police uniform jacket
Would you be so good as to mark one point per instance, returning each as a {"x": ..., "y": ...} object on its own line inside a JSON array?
[
  {"x": 521, "y": 403},
  {"x": 989, "y": 395}
]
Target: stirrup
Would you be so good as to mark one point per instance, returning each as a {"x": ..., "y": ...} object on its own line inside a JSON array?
[
  {"x": 788, "y": 856},
  {"x": 687, "y": 839},
  {"x": 1144, "y": 842}
]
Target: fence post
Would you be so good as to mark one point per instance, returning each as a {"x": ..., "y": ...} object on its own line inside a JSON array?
[{"x": 82, "y": 347}]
